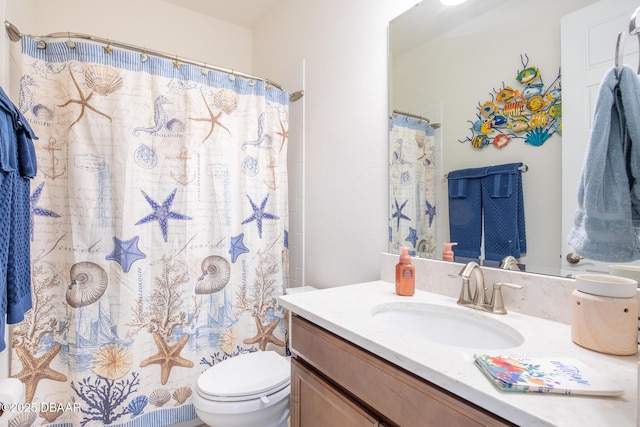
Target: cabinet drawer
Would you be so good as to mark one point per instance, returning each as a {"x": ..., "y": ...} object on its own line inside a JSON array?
[
  {"x": 398, "y": 396},
  {"x": 317, "y": 403}
]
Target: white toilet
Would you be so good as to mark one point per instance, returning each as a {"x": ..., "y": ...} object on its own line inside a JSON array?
[{"x": 248, "y": 390}]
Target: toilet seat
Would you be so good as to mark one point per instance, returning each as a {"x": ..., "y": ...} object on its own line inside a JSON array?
[{"x": 245, "y": 377}]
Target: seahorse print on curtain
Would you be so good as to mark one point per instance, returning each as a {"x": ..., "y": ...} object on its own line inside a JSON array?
[{"x": 159, "y": 218}]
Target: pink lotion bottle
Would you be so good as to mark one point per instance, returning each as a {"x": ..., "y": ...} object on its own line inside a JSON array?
[
  {"x": 405, "y": 274},
  {"x": 447, "y": 253}
]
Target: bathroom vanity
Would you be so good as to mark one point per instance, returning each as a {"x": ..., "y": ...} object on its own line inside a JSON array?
[
  {"x": 350, "y": 370},
  {"x": 334, "y": 382}
]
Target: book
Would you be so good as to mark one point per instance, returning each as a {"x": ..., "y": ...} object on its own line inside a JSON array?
[{"x": 544, "y": 375}]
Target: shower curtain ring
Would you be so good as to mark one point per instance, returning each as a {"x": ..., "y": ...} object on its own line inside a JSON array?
[
  {"x": 108, "y": 49},
  {"x": 232, "y": 77},
  {"x": 204, "y": 70},
  {"x": 70, "y": 44},
  {"x": 143, "y": 56},
  {"x": 176, "y": 63}
]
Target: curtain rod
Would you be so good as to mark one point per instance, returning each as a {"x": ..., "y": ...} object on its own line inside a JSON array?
[
  {"x": 433, "y": 125},
  {"x": 15, "y": 35}
]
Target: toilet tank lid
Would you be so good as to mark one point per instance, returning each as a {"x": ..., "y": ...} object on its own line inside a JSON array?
[{"x": 245, "y": 375}]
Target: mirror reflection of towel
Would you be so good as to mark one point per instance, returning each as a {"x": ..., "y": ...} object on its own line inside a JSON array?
[
  {"x": 608, "y": 214},
  {"x": 465, "y": 211},
  {"x": 495, "y": 194},
  {"x": 504, "y": 228}
]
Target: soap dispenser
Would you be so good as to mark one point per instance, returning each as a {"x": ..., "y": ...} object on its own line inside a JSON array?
[
  {"x": 405, "y": 274},
  {"x": 447, "y": 253}
]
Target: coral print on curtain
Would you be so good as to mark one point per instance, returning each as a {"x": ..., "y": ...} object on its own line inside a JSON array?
[
  {"x": 159, "y": 245},
  {"x": 412, "y": 191}
]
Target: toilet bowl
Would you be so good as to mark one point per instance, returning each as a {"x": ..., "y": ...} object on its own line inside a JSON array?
[{"x": 248, "y": 390}]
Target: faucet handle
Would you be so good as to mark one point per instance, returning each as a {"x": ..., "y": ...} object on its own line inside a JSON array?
[
  {"x": 465, "y": 290},
  {"x": 496, "y": 299}
]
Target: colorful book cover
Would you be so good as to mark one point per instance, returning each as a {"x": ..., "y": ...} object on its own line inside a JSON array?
[{"x": 544, "y": 375}]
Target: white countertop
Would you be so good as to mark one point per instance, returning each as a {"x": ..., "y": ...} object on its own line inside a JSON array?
[{"x": 346, "y": 311}]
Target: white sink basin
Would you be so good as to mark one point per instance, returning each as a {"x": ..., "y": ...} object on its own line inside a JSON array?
[{"x": 454, "y": 326}]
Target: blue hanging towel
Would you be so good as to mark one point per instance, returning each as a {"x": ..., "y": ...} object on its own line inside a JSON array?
[
  {"x": 465, "y": 211},
  {"x": 17, "y": 167},
  {"x": 503, "y": 205}
]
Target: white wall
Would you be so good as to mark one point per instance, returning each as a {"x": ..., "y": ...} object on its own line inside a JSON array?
[
  {"x": 344, "y": 46},
  {"x": 295, "y": 174}
]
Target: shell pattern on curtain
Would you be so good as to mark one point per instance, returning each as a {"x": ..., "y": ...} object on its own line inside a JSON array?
[
  {"x": 412, "y": 183},
  {"x": 159, "y": 218}
]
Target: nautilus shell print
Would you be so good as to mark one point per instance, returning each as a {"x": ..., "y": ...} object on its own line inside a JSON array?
[
  {"x": 225, "y": 100},
  {"x": 103, "y": 80},
  {"x": 216, "y": 272},
  {"x": 88, "y": 283}
]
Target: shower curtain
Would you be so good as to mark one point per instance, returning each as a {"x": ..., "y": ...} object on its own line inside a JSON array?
[
  {"x": 159, "y": 231},
  {"x": 412, "y": 191}
]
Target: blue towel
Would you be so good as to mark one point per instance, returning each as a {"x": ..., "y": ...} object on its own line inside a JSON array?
[
  {"x": 16, "y": 134},
  {"x": 608, "y": 191},
  {"x": 495, "y": 194},
  {"x": 17, "y": 167},
  {"x": 503, "y": 205}
]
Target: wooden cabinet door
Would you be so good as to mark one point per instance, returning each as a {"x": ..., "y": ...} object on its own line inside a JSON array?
[{"x": 316, "y": 403}]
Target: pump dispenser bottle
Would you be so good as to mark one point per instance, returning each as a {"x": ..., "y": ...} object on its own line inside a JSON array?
[
  {"x": 447, "y": 253},
  {"x": 405, "y": 274}
]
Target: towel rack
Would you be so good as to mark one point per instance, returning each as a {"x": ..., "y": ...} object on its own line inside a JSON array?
[
  {"x": 522, "y": 168},
  {"x": 634, "y": 30}
]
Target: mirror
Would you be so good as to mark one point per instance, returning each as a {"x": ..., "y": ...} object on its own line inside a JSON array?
[{"x": 444, "y": 62}]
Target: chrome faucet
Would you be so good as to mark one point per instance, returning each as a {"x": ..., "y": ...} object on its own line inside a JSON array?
[
  {"x": 479, "y": 301},
  {"x": 479, "y": 295},
  {"x": 509, "y": 263}
]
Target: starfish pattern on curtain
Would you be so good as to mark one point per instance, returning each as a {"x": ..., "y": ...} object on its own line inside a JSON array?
[{"x": 128, "y": 313}]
